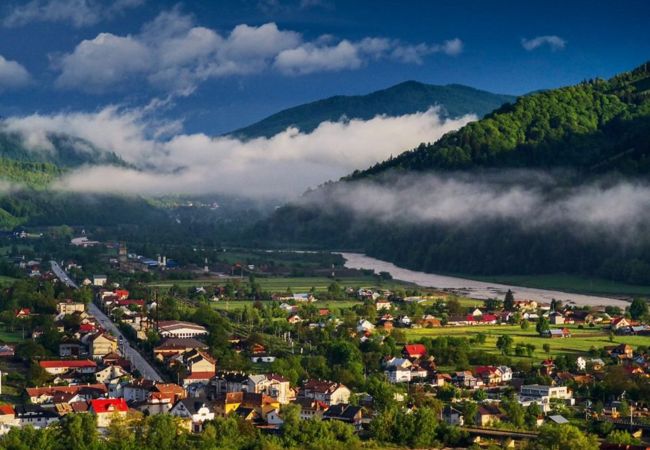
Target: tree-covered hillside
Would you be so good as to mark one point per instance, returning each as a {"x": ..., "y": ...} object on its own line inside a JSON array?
[
  {"x": 405, "y": 98},
  {"x": 594, "y": 133},
  {"x": 595, "y": 125}
]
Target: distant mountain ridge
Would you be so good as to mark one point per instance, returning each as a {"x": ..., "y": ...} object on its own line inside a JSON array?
[{"x": 408, "y": 97}]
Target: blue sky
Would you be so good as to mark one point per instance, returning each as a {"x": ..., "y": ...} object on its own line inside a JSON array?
[{"x": 82, "y": 55}]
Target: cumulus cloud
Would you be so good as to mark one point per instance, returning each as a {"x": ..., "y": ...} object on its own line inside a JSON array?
[
  {"x": 174, "y": 53},
  {"x": 552, "y": 41},
  {"x": 317, "y": 57},
  {"x": 283, "y": 165},
  {"x": 79, "y": 13},
  {"x": 12, "y": 74},
  {"x": 527, "y": 198}
]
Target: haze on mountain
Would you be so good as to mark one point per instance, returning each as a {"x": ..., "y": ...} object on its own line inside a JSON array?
[{"x": 556, "y": 182}]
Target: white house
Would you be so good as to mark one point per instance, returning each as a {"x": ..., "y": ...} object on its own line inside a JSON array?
[
  {"x": 363, "y": 326},
  {"x": 194, "y": 408}
]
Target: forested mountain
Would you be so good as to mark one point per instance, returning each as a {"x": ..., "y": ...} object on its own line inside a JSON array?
[
  {"x": 405, "y": 98},
  {"x": 596, "y": 125},
  {"x": 596, "y": 133}
]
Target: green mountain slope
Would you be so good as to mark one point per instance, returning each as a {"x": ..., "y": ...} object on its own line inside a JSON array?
[
  {"x": 597, "y": 124},
  {"x": 405, "y": 98},
  {"x": 594, "y": 132}
]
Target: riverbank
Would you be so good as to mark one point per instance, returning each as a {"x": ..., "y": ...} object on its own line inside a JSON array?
[{"x": 476, "y": 289}]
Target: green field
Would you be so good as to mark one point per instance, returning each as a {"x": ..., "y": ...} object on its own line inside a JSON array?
[
  {"x": 6, "y": 280},
  {"x": 296, "y": 284},
  {"x": 9, "y": 337},
  {"x": 330, "y": 304},
  {"x": 568, "y": 283},
  {"x": 578, "y": 344}
]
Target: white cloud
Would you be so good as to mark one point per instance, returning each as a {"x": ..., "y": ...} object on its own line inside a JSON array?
[
  {"x": 12, "y": 74},
  {"x": 283, "y": 165},
  {"x": 172, "y": 53},
  {"x": 79, "y": 13},
  {"x": 321, "y": 56},
  {"x": 104, "y": 61},
  {"x": 552, "y": 41},
  {"x": 528, "y": 199}
]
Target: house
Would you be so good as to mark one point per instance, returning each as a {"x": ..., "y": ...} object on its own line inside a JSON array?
[
  {"x": 506, "y": 373},
  {"x": 196, "y": 409},
  {"x": 452, "y": 416},
  {"x": 69, "y": 307},
  {"x": 179, "y": 329},
  {"x": 7, "y": 351},
  {"x": 466, "y": 379},
  {"x": 81, "y": 366},
  {"x": 328, "y": 392},
  {"x": 177, "y": 346},
  {"x": 310, "y": 408},
  {"x": 273, "y": 385},
  {"x": 100, "y": 280},
  {"x": 200, "y": 365},
  {"x": 383, "y": 305},
  {"x": 489, "y": 374},
  {"x": 414, "y": 351},
  {"x": 47, "y": 394},
  {"x": 137, "y": 390},
  {"x": 488, "y": 414},
  {"x": 344, "y": 413},
  {"x": 619, "y": 323},
  {"x": 542, "y": 395},
  {"x": 556, "y": 318},
  {"x": 71, "y": 347},
  {"x": 110, "y": 373},
  {"x": 23, "y": 313},
  {"x": 102, "y": 344},
  {"x": 556, "y": 333},
  {"x": 294, "y": 319},
  {"x": 7, "y": 418},
  {"x": 363, "y": 327},
  {"x": 35, "y": 416},
  {"x": 622, "y": 351},
  {"x": 107, "y": 409},
  {"x": 429, "y": 321}
]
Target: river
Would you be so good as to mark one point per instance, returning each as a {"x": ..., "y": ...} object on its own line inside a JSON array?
[{"x": 472, "y": 288}]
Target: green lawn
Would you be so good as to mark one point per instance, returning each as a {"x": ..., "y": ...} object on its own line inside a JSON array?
[
  {"x": 569, "y": 283},
  {"x": 578, "y": 344}
]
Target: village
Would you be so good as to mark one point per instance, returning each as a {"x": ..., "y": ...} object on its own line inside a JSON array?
[{"x": 487, "y": 369}]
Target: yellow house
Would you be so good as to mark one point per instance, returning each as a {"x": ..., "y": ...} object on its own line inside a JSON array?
[{"x": 102, "y": 344}]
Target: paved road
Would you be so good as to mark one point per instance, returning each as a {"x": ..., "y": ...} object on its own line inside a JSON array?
[
  {"x": 129, "y": 352},
  {"x": 61, "y": 275}
]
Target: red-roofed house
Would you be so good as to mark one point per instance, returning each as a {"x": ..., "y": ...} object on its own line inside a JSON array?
[
  {"x": 63, "y": 366},
  {"x": 106, "y": 409},
  {"x": 489, "y": 374},
  {"x": 23, "y": 313},
  {"x": 7, "y": 417},
  {"x": 414, "y": 351},
  {"x": 121, "y": 294}
]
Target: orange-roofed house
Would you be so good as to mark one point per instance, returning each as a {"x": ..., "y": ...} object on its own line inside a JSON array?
[
  {"x": 56, "y": 367},
  {"x": 106, "y": 409}
]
